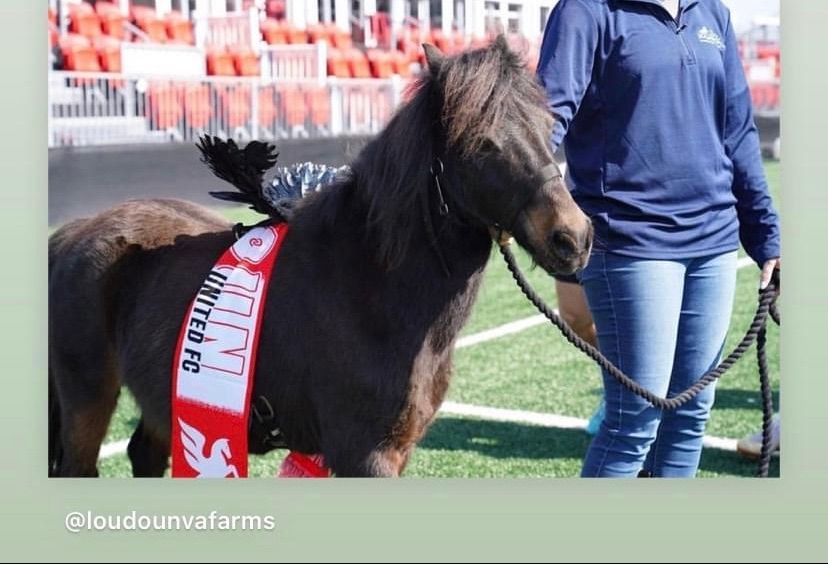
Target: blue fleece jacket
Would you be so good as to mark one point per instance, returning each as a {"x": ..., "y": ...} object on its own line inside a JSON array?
[{"x": 656, "y": 120}]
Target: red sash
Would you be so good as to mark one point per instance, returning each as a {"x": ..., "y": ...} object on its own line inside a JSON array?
[{"x": 215, "y": 360}]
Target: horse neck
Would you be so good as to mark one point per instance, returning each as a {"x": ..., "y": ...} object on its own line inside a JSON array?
[{"x": 448, "y": 293}]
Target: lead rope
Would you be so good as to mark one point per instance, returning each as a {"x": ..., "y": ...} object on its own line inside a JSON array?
[{"x": 756, "y": 332}]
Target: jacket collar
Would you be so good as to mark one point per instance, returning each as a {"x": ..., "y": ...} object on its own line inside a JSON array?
[{"x": 684, "y": 4}]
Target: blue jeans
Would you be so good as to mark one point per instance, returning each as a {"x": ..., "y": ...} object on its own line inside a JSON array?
[{"x": 663, "y": 322}]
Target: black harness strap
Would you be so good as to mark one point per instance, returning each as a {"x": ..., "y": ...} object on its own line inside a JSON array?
[
  {"x": 264, "y": 417},
  {"x": 436, "y": 171}
]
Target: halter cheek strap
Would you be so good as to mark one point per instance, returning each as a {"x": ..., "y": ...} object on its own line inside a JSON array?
[
  {"x": 500, "y": 233},
  {"x": 437, "y": 169}
]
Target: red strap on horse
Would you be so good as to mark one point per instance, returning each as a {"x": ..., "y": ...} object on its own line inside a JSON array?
[{"x": 298, "y": 465}]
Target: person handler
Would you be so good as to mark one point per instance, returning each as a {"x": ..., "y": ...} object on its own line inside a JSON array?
[{"x": 653, "y": 109}]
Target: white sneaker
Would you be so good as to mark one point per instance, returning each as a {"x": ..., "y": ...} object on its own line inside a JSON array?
[{"x": 751, "y": 446}]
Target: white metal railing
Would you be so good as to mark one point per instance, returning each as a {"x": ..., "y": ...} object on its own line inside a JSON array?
[
  {"x": 105, "y": 108},
  {"x": 294, "y": 61},
  {"x": 229, "y": 30}
]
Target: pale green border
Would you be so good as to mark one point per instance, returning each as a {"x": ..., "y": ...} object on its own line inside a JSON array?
[{"x": 566, "y": 519}]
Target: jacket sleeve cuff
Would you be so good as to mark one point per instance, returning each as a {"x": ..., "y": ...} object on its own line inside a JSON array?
[{"x": 763, "y": 253}]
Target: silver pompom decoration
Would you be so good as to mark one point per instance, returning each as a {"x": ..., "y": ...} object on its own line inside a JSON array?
[{"x": 298, "y": 180}]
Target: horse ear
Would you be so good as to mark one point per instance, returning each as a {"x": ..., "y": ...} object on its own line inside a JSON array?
[{"x": 434, "y": 58}]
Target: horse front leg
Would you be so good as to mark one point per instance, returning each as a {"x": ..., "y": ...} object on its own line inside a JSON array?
[
  {"x": 148, "y": 454},
  {"x": 357, "y": 454},
  {"x": 352, "y": 453},
  {"x": 381, "y": 462},
  {"x": 361, "y": 443}
]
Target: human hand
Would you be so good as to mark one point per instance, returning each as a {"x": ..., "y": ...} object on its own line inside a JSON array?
[{"x": 767, "y": 272}]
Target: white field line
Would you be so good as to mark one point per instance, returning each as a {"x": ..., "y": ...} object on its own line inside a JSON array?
[
  {"x": 111, "y": 449},
  {"x": 501, "y": 331},
  {"x": 550, "y": 420},
  {"x": 494, "y": 413}
]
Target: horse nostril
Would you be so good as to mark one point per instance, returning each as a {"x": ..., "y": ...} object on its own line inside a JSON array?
[{"x": 564, "y": 244}]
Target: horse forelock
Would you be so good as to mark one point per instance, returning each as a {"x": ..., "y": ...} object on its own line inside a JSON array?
[
  {"x": 473, "y": 96},
  {"x": 485, "y": 89}
]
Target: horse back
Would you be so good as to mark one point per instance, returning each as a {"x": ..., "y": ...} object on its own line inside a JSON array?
[{"x": 84, "y": 253}]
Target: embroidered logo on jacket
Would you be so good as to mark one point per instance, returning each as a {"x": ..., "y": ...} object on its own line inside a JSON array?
[{"x": 707, "y": 35}]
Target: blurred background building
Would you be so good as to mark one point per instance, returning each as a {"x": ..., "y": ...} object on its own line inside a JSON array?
[
  {"x": 133, "y": 83},
  {"x": 129, "y": 71}
]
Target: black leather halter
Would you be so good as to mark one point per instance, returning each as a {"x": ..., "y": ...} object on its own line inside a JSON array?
[{"x": 547, "y": 174}]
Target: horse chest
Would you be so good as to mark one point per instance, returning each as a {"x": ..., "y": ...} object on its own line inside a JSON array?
[{"x": 431, "y": 369}]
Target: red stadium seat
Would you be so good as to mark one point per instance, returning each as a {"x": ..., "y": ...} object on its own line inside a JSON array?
[
  {"x": 319, "y": 100},
  {"x": 294, "y": 107},
  {"x": 236, "y": 105},
  {"x": 358, "y": 63},
  {"x": 381, "y": 63},
  {"x": 245, "y": 61},
  {"x": 82, "y": 59},
  {"x": 220, "y": 63},
  {"x": 109, "y": 53},
  {"x": 155, "y": 29},
  {"x": 411, "y": 49},
  {"x": 759, "y": 95},
  {"x": 78, "y": 54},
  {"x": 112, "y": 23},
  {"x": 164, "y": 106},
  {"x": 197, "y": 106},
  {"x": 319, "y": 32},
  {"x": 267, "y": 107},
  {"x": 337, "y": 64},
  {"x": 402, "y": 64},
  {"x": 147, "y": 20},
  {"x": 440, "y": 40},
  {"x": 381, "y": 105},
  {"x": 179, "y": 29},
  {"x": 774, "y": 98},
  {"x": 84, "y": 22},
  {"x": 341, "y": 39},
  {"x": 274, "y": 32},
  {"x": 139, "y": 14},
  {"x": 296, "y": 36},
  {"x": 765, "y": 95}
]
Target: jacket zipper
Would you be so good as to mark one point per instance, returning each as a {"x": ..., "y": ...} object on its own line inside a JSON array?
[
  {"x": 677, "y": 27},
  {"x": 689, "y": 57}
]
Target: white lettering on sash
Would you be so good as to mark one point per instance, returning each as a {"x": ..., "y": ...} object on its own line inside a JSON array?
[{"x": 215, "y": 370}]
